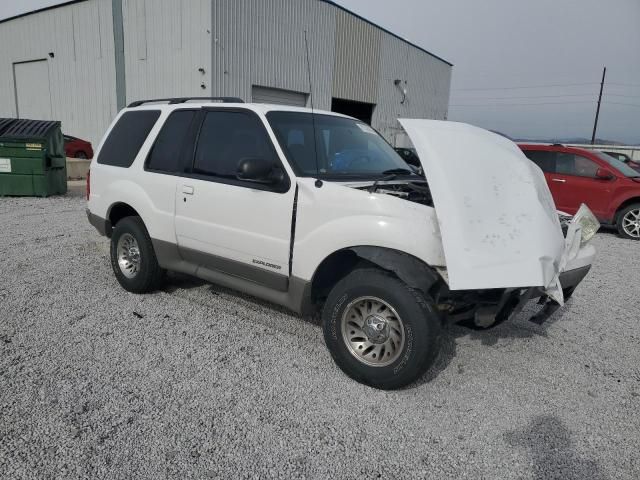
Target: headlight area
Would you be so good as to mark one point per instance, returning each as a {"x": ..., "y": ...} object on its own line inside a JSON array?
[
  {"x": 584, "y": 220},
  {"x": 589, "y": 224}
]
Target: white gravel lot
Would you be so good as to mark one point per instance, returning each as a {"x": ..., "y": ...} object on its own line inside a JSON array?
[{"x": 196, "y": 381}]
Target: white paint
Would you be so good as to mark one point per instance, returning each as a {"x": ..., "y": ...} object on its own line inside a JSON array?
[
  {"x": 337, "y": 216},
  {"x": 5, "y": 165},
  {"x": 498, "y": 221}
]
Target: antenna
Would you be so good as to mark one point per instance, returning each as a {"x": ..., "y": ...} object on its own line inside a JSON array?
[{"x": 313, "y": 114}]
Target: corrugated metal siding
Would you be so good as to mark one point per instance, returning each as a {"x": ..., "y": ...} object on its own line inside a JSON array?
[
  {"x": 157, "y": 64},
  {"x": 357, "y": 59},
  {"x": 82, "y": 73},
  {"x": 426, "y": 79},
  {"x": 261, "y": 42},
  {"x": 276, "y": 96}
]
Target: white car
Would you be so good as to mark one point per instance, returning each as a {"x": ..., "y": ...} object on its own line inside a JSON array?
[{"x": 316, "y": 212}]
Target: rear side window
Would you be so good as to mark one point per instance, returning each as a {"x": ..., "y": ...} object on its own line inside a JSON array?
[
  {"x": 127, "y": 136},
  {"x": 543, "y": 158},
  {"x": 167, "y": 149}
]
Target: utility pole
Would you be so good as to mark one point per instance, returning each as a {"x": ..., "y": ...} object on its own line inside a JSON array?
[{"x": 595, "y": 123}]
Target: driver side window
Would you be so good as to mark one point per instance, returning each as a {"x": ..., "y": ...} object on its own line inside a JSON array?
[
  {"x": 571, "y": 164},
  {"x": 228, "y": 137}
]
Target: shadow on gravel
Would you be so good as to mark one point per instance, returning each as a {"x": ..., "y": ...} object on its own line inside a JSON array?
[
  {"x": 552, "y": 451},
  {"x": 447, "y": 353},
  {"x": 517, "y": 327},
  {"x": 178, "y": 281}
]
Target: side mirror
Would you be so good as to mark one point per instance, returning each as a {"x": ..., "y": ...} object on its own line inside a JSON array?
[
  {"x": 256, "y": 169},
  {"x": 604, "y": 174}
]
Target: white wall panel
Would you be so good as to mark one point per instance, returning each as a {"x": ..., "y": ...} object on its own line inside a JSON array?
[
  {"x": 81, "y": 72},
  {"x": 166, "y": 43},
  {"x": 357, "y": 59},
  {"x": 426, "y": 79},
  {"x": 261, "y": 42}
]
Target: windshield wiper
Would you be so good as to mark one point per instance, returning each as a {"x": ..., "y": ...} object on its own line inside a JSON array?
[{"x": 391, "y": 174}]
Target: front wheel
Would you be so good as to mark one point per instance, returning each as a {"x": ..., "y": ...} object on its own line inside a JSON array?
[
  {"x": 629, "y": 222},
  {"x": 379, "y": 331}
]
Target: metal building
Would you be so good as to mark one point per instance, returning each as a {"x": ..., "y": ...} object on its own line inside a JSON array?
[{"x": 81, "y": 61}]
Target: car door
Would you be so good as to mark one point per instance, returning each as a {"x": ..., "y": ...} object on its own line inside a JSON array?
[
  {"x": 576, "y": 183},
  {"x": 230, "y": 225}
]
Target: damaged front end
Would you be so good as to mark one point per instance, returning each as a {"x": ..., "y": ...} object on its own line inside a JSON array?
[{"x": 502, "y": 239}]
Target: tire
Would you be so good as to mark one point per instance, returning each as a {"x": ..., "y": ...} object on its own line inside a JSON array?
[
  {"x": 81, "y": 155},
  {"x": 628, "y": 222},
  {"x": 406, "y": 356},
  {"x": 138, "y": 271}
]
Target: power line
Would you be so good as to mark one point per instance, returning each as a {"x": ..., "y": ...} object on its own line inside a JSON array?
[
  {"x": 625, "y": 104},
  {"x": 625, "y": 84},
  {"x": 546, "y": 96},
  {"x": 532, "y": 97},
  {"x": 527, "y": 86},
  {"x": 541, "y": 103},
  {"x": 519, "y": 104},
  {"x": 624, "y": 96}
]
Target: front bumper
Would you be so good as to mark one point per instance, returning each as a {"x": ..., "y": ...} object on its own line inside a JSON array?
[{"x": 575, "y": 271}]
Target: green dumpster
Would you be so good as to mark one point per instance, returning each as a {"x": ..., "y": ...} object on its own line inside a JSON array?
[{"x": 32, "y": 159}]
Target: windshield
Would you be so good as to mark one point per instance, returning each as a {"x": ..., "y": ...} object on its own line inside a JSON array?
[
  {"x": 345, "y": 147},
  {"x": 619, "y": 165}
]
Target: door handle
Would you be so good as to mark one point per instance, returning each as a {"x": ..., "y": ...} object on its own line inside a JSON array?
[
  {"x": 559, "y": 180},
  {"x": 187, "y": 189}
]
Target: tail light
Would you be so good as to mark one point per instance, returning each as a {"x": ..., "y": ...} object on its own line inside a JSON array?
[{"x": 88, "y": 184}]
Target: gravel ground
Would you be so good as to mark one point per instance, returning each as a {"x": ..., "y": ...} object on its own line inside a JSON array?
[{"x": 196, "y": 381}]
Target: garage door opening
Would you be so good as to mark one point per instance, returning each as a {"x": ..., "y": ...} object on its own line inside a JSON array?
[
  {"x": 278, "y": 96},
  {"x": 361, "y": 111}
]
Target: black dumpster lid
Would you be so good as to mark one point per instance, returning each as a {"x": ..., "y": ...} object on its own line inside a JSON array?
[
  {"x": 4, "y": 124},
  {"x": 24, "y": 128}
]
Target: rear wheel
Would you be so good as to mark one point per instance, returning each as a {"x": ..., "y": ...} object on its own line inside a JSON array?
[
  {"x": 380, "y": 331},
  {"x": 629, "y": 222},
  {"x": 132, "y": 257}
]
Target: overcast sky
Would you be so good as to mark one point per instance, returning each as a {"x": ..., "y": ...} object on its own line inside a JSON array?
[{"x": 557, "y": 46}]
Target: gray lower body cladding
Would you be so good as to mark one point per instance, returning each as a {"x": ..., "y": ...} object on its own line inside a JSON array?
[{"x": 288, "y": 291}]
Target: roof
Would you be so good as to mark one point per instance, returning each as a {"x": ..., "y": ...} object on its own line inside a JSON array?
[{"x": 330, "y": 2}]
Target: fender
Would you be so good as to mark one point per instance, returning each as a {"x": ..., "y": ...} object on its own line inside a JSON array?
[
  {"x": 411, "y": 270},
  {"x": 336, "y": 217}
]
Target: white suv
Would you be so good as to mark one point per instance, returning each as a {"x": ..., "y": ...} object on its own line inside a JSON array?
[{"x": 316, "y": 212}]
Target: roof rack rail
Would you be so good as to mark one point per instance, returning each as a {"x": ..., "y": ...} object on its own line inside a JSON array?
[{"x": 174, "y": 101}]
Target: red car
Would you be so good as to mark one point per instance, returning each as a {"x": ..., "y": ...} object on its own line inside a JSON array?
[
  {"x": 77, "y": 148},
  {"x": 609, "y": 187}
]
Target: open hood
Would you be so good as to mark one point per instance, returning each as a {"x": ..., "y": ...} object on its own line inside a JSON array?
[{"x": 497, "y": 218}]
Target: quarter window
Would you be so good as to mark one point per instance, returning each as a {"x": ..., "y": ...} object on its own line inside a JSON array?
[
  {"x": 165, "y": 154},
  {"x": 126, "y": 137}
]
